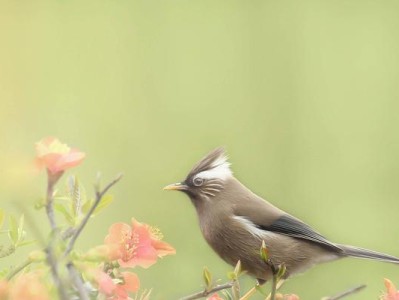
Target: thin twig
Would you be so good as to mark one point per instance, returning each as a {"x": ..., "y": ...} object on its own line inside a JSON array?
[
  {"x": 17, "y": 269},
  {"x": 52, "y": 262},
  {"x": 250, "y": 293},
  {"x": 99, "y": 195},
  {"x": 77, "y": 282},
  {"x": 346, "y": 293},
  {"x": 205, "y": 293},
  {"x": 50, "y": 256},
  {"x": 51, "y": 181},
  {"x": 274, "y": 280}
]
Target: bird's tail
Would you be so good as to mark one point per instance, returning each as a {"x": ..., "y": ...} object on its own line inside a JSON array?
[{"x": 368, "y": 254}]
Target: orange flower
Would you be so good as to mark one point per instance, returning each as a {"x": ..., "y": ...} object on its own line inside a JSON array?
[
  {"x": 392, "y": 293},
  {"x": 55, "y": 156},
  {"x": 29, "y": 286},
  {"x": 4, "y": 287},
  {"x": 139, "y": 244}
]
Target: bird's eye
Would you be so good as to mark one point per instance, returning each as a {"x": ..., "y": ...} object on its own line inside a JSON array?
[{"x": 198, "y": 181}]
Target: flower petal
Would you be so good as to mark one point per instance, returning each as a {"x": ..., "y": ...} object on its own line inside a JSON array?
[
  {"x": 163, "y": 248},
  {"x": 117, "y": 233}
]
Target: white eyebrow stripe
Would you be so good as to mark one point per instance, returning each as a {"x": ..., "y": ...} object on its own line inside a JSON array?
[{"x": 221, "y": 171}]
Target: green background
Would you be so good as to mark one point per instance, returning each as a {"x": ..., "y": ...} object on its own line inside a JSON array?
[{"x": 303, "y": 94}]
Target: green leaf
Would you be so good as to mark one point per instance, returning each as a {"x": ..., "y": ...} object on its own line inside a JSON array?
[
  {"x": 21, "y": 231},
  {"x": 264, "y": 252},
  {"x": 235, "y": 289},
  {"x": 227, "y": 295},
  {"x": 13, "y": 229},
  {"x": 4, "y": 272},
  {"x": 27, "y": 243},
  {"x": 77, "y": 195},
  {"x": 281, "y": 271},
  {"x": 237, "y": 269},
  {"x": 207, "y": 278},
  {"x": 40, "y": 203},
  {"x": 64, "y": 211},
  {"x": 231, "y": 275},
  {"x": 104, "y": 202},
  {"x": 87, "y": 205}
]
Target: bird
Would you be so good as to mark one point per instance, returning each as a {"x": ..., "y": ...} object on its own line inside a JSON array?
[{"x": 235, "y": 222}]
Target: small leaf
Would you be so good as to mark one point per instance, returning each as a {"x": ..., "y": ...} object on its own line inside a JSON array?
[
  {"x": 104, "y": 202},
  {"x": 27, "y": 243},
  {"x": 21, "y": 231},
  {"x": 231, "y": 275},
  {"x": 7, "y": 251},
  {"x": 227, "y": 295},
  {"x": 64, "y": 211},
  {"x": 281, "y": 271},
  {"x": 40, "y": 203},
  {"x": 264, "y": 252},
  {"x": 77, "y": 195},
  {"x": 86, "y": 206},
  {"x": 4, "y": 272},
  {"x": 207, "y": 278},
  {"x": 13, "y": 230},
  {"x": 237, "y": 269},
  {"x": 235, "y": 289}
]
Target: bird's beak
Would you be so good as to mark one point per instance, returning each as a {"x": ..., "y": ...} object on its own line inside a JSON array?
[{"x": 180, "y": 186}]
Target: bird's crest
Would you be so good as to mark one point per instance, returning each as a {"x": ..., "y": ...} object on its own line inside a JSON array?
[{"x": 213, "y": 165}]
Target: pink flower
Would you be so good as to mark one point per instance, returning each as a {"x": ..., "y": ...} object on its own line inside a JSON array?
[
  {"x": 392, "y": 293},
  {"x": 139, "y": 244},
  {"x": 131, "y": 283},
  {"x": 55, "y": 156},
  {"x": 128, "y": 282},
  {"x": 105, "y": 283},
  {"x": 214, "y": 296}
]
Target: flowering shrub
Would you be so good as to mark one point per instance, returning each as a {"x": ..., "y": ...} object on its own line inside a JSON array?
[{"x": 58, "y": 270}]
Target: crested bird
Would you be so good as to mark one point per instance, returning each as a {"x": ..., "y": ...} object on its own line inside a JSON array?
[{"x": 235, "y": 221}]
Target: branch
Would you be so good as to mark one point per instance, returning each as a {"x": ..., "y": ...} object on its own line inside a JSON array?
[
  {"x": 52, "y": 262},
  {"x": 346, "y": 293},
  {"x": 51, "y": 181},
  {"x": 77, "y": 282},
  {"x": 205, "y": 292},
  {"x": 17, "y": 269},
  {"x": 99, "y": 195}
]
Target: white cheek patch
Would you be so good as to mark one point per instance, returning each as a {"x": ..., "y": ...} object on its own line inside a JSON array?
[{"x": 220, "y": 171}]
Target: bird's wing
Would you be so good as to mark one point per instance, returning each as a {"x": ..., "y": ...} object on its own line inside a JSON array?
[
  {"x": 277, "y": 221},
  {"x": 293, "y": 227}
]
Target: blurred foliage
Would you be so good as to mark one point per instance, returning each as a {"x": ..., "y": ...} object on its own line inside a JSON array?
[{"x": 303, "y": 94}]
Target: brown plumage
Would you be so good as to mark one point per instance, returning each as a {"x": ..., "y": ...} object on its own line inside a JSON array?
[{"x": 235, "y": 221}]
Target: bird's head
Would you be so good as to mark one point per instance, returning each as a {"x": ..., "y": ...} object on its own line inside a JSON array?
[{"x": 207, "y": 178}]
